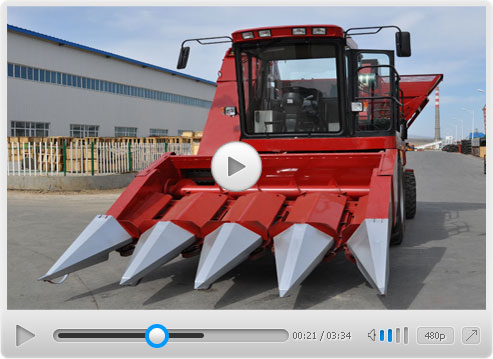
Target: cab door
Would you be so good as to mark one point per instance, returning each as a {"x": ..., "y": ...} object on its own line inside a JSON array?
[{"x": 375, "y": 93}]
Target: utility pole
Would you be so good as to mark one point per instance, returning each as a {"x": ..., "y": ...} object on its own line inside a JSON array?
[{"x": 484, "y": 109}]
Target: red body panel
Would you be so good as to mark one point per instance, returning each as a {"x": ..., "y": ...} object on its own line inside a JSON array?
[
  {"x": 322, "y": 210},
  {"x": 323, "y": 144},
  {"x": 220, "y": 128},
  {"x": 195, "y": 212},
  {"x": 255, "y": 211}
]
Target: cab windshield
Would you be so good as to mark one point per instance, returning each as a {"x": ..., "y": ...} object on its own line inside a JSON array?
[{"x": 290, "y": 88}]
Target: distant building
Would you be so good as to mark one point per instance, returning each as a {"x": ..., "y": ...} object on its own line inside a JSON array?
[{"x": 59, "y": 88}]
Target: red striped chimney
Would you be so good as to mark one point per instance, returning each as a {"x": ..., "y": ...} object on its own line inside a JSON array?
[
  {"x": 484, "y": 114},
  {"x": 437, "y": 116}
]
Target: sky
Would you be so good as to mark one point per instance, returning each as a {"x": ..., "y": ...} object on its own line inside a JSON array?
[{"x": 446, "y": 40}]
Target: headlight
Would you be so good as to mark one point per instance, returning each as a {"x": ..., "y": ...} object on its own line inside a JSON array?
[
  {"x": 229, "y": 111},
  {"x": 299, "y": 31},
  {"x": 264, "y": 33},
  {"x": 319, "y": 31},
  {"x": 247, "y": 35}
]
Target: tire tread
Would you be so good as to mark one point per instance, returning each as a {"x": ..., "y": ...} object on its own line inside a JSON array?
[{"x": 410, "y": 194}]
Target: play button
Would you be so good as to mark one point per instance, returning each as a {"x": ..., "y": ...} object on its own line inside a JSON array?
[
  {"x": 236, "y": 166},
  {"x": 22, "y": 335}
]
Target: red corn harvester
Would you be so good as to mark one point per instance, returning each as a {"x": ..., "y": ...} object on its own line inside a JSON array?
[{"x": 329, "y": 121}]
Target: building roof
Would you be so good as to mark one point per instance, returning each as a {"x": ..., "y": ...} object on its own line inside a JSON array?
[{"x": 103, "y": 53}]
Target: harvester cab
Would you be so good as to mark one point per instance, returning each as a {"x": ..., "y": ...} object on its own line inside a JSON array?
[
  {"x": 296, "y": 82},
  {"x": 329, "y": 121}
]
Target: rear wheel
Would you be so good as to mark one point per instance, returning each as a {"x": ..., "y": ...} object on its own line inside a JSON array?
[
  {"x": 398, "y": 231},
  {"x": 410, "y": 194}
]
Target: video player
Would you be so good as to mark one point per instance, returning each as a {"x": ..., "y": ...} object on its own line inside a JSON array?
[{"x": 306, "y": 202}]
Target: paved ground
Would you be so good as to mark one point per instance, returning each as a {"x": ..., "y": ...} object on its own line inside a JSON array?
[{"x": 440, "y": 265}]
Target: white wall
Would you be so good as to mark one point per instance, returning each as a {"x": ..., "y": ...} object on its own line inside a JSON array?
[{"x": 64, "y": 105}]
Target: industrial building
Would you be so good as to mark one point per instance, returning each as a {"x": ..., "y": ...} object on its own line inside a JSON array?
[{"x": 60, "y": 88}]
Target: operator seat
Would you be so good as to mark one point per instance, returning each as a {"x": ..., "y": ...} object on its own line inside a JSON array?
[
  {"x": 300, "y": 107},
  {"x": 292, "y": 102}
]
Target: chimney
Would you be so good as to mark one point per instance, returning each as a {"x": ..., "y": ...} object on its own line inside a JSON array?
[
  {"x": 437, "y": 116},
  {"x": 484, "y": 114}
]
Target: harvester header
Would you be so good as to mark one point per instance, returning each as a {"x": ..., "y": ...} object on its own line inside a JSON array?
[{"x": 329, "y": 122}]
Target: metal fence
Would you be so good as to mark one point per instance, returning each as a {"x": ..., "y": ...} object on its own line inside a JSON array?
[{"x": 74, "y": 158}]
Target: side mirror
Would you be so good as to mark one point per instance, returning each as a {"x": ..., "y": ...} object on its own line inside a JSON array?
[
  {"x": 403, "y": 43},
  {"x": 183, "y": 59}
]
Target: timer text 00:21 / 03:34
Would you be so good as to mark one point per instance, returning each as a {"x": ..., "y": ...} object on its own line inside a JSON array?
[{"x": 320, "y": 336}]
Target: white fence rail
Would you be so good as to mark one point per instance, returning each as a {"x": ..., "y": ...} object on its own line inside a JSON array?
[{"x": 43, "y": 158}]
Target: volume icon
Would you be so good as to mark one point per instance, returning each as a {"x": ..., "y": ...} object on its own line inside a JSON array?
[{"x": 390, "y": 335}]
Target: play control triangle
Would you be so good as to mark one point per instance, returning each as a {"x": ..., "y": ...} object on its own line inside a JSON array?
[
  {"x": 22, "y": 335},
  {"x": 234, "y": 166}
]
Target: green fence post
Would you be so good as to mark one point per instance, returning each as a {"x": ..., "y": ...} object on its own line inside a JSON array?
[
  {"x": 92, "y": 158},
  {"x": 129, "y": 156},
  {"x": 65, "y": 157},
  {"x": 166, "y": 147}
]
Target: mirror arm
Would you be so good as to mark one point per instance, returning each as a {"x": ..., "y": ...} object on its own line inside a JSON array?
[
  {"x": 202, "y": 40},
  {"x": 377, "y": 28}
]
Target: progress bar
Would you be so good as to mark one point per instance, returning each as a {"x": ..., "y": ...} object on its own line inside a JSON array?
[
  {"x": 175, "y": 335},
  {"x": 112, "y": 335}
]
